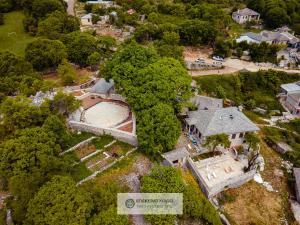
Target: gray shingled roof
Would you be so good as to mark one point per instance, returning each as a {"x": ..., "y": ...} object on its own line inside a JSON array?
[
  {"x": 102, "y": 86},
  {"x": 272, "y": 36},
  {"x": 176, "y": 154},
  {"x": 225, "y": 120},
  {"x": 247, "y": 12},
  {"x": 204, "y": 102},
  {"x": 291, "y": 87}
]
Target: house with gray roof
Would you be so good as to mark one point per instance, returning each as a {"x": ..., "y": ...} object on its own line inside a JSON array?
[
  {"x": 205, "y": 102},
  {"x": 270, "y": 37},
  {"x": 103, "y": 87},
  {"x": 245, "y": 15},
  {"x": 290, "y": 97},
  {"x": 231, "y": 121}
]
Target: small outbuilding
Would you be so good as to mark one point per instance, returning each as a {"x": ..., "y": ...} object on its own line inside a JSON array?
[
  {"x": 86, "y": 20},
  {"x": 177, "y": 157},
  {"x": 104, "y": 87}
]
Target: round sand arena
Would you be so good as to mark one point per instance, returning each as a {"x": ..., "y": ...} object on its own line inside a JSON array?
[{"x": 106, "y": 114}]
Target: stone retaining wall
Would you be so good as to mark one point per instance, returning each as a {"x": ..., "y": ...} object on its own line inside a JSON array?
[
  {"x": 97, "y": 130},
  {"x": 79, "y": 145}
]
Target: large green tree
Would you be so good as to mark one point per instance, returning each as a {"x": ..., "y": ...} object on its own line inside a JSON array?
[
  {"x": 80, "y": 46},
  {"x": 158, "y": 129},
  {"x": 45, "y": 53},
  {"x": 59, "y": 201},
  {"x": 30, "y": 150},
  {"x": 17, "y": 75},
  {"x": 18, "y": 113},
  {"x": 162, "y": 180},
  {"x": 164, "y": 81},
  {"x": 56, "y": 24}
]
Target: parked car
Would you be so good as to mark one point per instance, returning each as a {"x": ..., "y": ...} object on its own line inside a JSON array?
[
  {"x": 199, "y": 60},
  {"x": 218, "y": 58}
]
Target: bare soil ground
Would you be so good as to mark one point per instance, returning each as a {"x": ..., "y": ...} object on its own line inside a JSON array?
[
  {"x": 230, "y": 65},
  {"x": 85, "y": 151},
  {"x": 253, "y": 204},
  {"x": 83, "y": 75}
]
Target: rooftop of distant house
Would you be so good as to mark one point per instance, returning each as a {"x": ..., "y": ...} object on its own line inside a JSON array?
[
  {"x": 246, "y": 12},
  {"x": 291, "y": 87},
  {"x": 223, "y": 120},
  {"x": 281, "y": 36}
]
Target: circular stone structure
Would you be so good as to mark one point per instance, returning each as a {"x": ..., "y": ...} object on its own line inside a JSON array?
[{"x": 106, "y": 114}]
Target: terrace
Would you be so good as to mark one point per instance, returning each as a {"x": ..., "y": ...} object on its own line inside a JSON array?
[{"x": 220, "y": 173}]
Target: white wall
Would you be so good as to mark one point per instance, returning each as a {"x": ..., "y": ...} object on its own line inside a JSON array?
[{"x": 247, "y": 39}]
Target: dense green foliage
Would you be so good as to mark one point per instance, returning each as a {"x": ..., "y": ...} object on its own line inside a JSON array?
[
  {"x": 59, "y": 201},
  {"x": 66, "y": 73},
  {"x": 56, "y": 24},
  {"x": 277, "y": 12},
  {"x": 170, "y": 180},
  {"x": 260, "y": 88},
  {"x": 45, "y": 53},
  {"x": 156, "y": 89},
  {"x": 79, "y": 47},
  {"x": 17, "y": 76}
]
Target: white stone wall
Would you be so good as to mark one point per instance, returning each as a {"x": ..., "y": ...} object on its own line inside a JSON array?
[
  {"x": 97, "y": 130},
  {"x": 230, "y": 183}
]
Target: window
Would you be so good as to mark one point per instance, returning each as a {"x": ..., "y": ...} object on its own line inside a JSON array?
[
  {"x": 175, "y": 161},
  {"x": 199, "y": 135},
  {"x": 233, "y": 136},
  {"x": 241, "y": 135}
]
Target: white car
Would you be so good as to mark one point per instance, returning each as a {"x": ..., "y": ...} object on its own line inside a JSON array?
[
  {"x": 200, "y": 61},
  {"x": 218, "y": 58}
]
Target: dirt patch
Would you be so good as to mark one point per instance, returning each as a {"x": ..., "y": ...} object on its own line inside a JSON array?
[
  {"x": 85, "y": 151},
  {"x": 192, "y": 53},
  {"x": 253, "y": 204},
  {"x": 83, "y": 75}
]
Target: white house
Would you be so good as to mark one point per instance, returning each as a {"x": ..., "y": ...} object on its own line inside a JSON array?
[
  {"x": 245, "y": 15},
  {"x": 231, "y": 121},
  {"x": 86, "y": 20}
]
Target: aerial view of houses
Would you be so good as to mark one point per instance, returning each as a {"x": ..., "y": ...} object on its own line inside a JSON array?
[{"x": 145, "y": 112}]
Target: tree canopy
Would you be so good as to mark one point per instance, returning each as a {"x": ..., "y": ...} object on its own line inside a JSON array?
[
  {"x": 158, "y": 129},
  {"x": 59, "y": 201},
  {"x": 79, "y": 46},
  {"x": 56, "y": 24},
  {"x": 45, "y": 53}
]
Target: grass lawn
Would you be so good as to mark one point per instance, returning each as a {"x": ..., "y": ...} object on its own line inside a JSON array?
[{"x": 16, "y": 43}]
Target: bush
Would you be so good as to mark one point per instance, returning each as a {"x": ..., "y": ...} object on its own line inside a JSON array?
[{"x": 1, "y": 18}]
